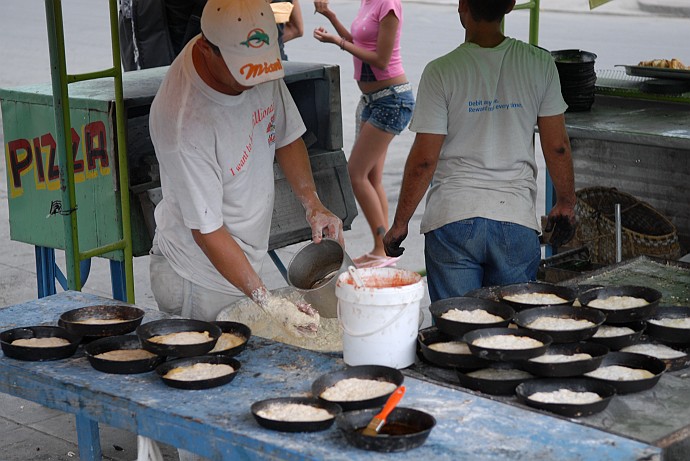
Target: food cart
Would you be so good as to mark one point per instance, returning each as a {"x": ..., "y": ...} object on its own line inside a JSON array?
[{"x": 472, "y": 426}]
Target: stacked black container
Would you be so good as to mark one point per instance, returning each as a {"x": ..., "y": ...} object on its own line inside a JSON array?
[{"x": 577, "y": 76}]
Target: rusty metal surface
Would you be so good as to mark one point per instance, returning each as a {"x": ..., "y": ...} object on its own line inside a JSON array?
[{"x": 671, "y": 278}]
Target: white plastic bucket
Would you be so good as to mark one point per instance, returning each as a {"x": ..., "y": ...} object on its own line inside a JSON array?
[{"x": 380, "y": 321}]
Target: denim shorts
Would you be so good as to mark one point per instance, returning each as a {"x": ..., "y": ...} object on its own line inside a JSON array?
[
  {"x": 390, "y": 113},
  {"x": 472, "y": 253}
]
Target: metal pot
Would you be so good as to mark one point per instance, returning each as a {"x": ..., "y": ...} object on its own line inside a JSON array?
[{"x": 314, "y": 270}]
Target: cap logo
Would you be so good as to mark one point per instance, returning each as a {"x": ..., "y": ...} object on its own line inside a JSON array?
[
  {"x": 252, "y": 70},
  {"x": 256, "y": 39}
]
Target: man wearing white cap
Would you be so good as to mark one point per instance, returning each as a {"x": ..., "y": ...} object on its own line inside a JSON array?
[{"x": 221, "y": 116}]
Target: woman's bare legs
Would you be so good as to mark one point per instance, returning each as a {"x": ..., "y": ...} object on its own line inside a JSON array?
[{"x": 366, "y": 173}]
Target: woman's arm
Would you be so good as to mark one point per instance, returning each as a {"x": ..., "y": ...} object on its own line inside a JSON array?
[
  {"x": 294, "y": 28},
  {"x": 385, "y": 41},
  {"x": 321, "y": 6}
]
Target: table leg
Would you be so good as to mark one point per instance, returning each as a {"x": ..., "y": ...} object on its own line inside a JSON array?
[{"x": 88, "y": 439}]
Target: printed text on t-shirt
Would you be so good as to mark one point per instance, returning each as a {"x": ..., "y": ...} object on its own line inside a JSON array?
[
  {"x": 257, "y": 117},
  {"x": 483, "y": 105}
]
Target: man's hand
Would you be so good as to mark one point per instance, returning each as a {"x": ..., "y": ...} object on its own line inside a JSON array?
[
  {"x": 323, "y": 223},
  {"x": 562, "y": 229},
  {"x": 392, "y": 240},
  {"x": 298, "y": 319}
]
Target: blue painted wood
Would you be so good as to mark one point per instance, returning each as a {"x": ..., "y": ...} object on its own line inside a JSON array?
[
  {"x": 217, "y": 423},
  {"x": 118, "y": 280},
  {"x": 88, "y": 439},
  {"x": 45, "y": 271}
]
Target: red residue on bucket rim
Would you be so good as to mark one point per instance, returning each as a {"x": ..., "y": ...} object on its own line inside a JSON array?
[{"x": 397, "y": 280}]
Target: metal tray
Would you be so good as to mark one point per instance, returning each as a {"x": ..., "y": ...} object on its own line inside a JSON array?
[{"x": 656, "y": 72}]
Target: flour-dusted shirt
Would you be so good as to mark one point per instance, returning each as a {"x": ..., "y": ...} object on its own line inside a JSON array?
[
  {"x": 486, "y": 101},
  {"x": 215, "y": 154}
]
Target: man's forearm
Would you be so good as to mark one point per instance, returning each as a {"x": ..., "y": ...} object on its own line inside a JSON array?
[{"x": 228, "y": 258}]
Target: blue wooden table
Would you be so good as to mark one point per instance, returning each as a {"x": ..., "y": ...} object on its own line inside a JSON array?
[{"x": 217, "y": 423}]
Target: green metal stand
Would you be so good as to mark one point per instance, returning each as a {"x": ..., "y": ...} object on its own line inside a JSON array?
[{"x": 60, "y": 80}]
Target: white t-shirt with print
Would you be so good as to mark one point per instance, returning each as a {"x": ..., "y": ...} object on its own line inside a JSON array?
[
  {"x": 486, "y": 101},
  {"x": 215, "y": 154}
]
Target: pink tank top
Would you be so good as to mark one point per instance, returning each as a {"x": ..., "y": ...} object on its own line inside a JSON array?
[{"x": 365, "y": 30}]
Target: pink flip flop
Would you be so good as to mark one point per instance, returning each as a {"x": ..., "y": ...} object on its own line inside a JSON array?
[{"x": 369, "y": 260}]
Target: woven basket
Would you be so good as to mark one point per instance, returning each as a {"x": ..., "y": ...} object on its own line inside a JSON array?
[{"x": 644, "y": 231}]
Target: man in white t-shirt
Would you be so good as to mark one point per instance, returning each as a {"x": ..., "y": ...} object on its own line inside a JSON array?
[
  {"x": 475, "y": 115},
  {"x": 220, "y": 117}
]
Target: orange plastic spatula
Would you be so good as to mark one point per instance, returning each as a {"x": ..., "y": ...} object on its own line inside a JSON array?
[{"x": 379, "y": 420}]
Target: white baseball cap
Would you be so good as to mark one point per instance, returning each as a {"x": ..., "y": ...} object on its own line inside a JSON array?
[{"x": 246, "y": 33}]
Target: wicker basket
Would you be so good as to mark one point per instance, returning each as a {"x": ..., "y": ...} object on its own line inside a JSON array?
[{"x": 644, "y": 231}]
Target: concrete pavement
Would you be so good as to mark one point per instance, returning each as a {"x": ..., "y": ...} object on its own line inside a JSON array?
[{"x": 32, "y": 432}]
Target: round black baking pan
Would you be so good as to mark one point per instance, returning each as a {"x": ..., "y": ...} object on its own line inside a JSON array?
[
  {"x": 506, "y": 354},
  {"x": 566, "y": 369},
  {"x": 114, "y": 343},
  {"x": 638, "y": 361},
  {"x": 405, "y": 429},
  {"x": 165, "y": 367},
  {"x": 37, "y": 354},
  {"x": 524, "y": 318},
  {"x": 571, "y": 410},
  {"x": 567, "y": 294},
  {"x": 236, "y": 328},
  {"x": 666, "y": 334},
  {"x": 672, "y": 364},
  {"x": 665, "y": 86},
  {"x": 615, "y": 343},
  {"x": 432, "y": 335},
  {"x": 130, "y": 317},
  {"x": 296, "y": 426},
  {"x": 167, "y": 326},
  {"x": 457, "y": 329},
  {"x": 493, "y": 386},
  {"x": 373, "y": 372},
  {"x": 650, "y": 295}
]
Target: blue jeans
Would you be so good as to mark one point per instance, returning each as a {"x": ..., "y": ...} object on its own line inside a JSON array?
[{"x": 472, "y": 253}]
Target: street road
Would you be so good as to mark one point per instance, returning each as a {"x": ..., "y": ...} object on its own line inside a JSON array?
[{"x": 429, "y": 30}]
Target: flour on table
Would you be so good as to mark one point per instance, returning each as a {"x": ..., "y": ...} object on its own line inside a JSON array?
[
  {"x": 125, "y": 355},
  {"x": 659, "y": 351},
  {"x": 559, "y": 324},
  {"x": 499, "y": 374},
  {"x": 536, "y": 298},
  {"x": 294, "y": 412},
  {"x": 41, "y": 342},
  {"x": 507, "y": 342},
  {"x": 182, "y": 338},
  {"x": 565, "y": 396},
  {"x": 618, "y": 302},
  {"x": 451, "y": 347},
  {"x": 96, "y": 321},
  {"x": 199, "y": 372},
  {"x": 682, "y": 322},
  {"x": 620, "y": 373},
  {"x": 354, "y": 389},
  {"x": 606, "y": 331},
  {"x": 228, "y": 341},
  {"x": 471, "y": 316},
  {"x": 560, "y": 358},
  {"x": 328, "y": 337}
]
